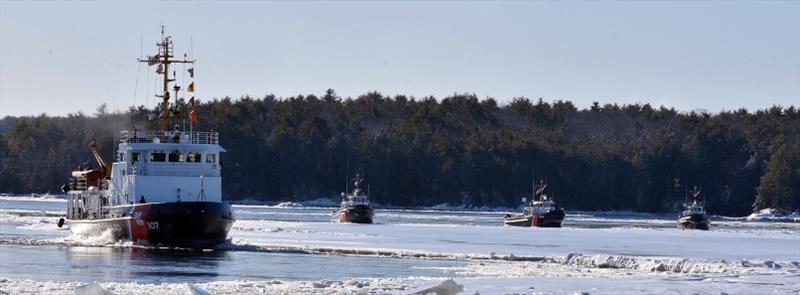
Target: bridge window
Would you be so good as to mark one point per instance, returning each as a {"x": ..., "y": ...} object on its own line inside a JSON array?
[
  {"x": 158, "y": 157},
  {"x": 134, "y": 157},
  {"x": 193, "y": 157},
  {"x": 211, "y": 158},
  {"x": 175, "y": 156}
]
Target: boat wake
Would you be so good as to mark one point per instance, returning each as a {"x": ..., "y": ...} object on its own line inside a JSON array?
[
  {"x": 94, "y": 238},
  {"x": 28, "y": 241}
]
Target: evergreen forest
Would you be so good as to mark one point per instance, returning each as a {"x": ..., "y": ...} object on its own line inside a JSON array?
[{"x": 459, "y": 150}]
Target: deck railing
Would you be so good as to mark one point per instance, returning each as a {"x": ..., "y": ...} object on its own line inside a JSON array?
[{"x": 194, "y": 137}]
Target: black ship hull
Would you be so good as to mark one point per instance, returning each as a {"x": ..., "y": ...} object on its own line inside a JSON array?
[
  {"x": 551, "y": 219},
  {"x": 356, "y": 214},
  {"x": 200, "y": 225},
  {"x": 694, "y": 221}
]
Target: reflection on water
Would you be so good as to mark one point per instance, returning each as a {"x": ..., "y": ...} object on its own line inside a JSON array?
[
  {"x": 107, "y": 263},
  {"x": 135, "y": 263},
  {"x": 125, "y": 264}
]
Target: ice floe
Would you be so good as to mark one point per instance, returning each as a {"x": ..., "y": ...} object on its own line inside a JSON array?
[{"x": 742, "y": 258}]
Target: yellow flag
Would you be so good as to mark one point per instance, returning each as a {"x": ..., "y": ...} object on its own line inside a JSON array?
[{"x": 191, "y": 87}]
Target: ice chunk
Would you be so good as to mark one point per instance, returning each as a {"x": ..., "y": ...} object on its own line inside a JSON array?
[
  {"x": 448, "y": 287},
  {"x": 355, "y": 283},
  {"x": 195, "y": 290},
  {"x": 92, "y": 289},
  {"x": 659, "y": 267},
  {"x": 772, "y": 264},
  {"x": 321, "y": 284}
]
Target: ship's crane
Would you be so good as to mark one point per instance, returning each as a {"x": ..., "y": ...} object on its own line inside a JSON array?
[{"x": 105, "y": 167}]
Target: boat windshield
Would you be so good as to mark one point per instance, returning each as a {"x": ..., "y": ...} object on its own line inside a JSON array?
[
  {"x": 694, "y": 208},
  {"x": 355, "y": 200},
  {"x": 540, "y": 207}
]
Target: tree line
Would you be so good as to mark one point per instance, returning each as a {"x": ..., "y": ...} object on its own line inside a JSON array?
[{"x": 459, "y": 150}]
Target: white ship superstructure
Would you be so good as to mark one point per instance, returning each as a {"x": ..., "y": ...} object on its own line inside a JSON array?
[{"x": 163, "y": 188}]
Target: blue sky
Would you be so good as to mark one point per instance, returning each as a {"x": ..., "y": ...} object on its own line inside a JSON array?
[{"x": 63, "y": 57}]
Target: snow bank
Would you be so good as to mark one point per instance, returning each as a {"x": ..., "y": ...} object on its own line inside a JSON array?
[
  {"x": 663, "y": 284},
  {"x": 775, "y": 215},
  {"x": 287, "y": 205},
  {"x": 322, "y": 202},
  {"x": 625, "y": 214},
  {"x": 468, "y": 207},
  {"x": 265, "y": 204}
]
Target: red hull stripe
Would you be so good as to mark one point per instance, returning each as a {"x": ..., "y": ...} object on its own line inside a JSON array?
[{"x": 139, "y": 223}]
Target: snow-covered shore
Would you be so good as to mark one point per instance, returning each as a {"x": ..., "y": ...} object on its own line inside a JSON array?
[{"x": 774, "y": 215}]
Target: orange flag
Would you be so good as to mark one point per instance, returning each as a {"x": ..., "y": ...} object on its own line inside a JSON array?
[
  {"x": 193, "y": 113},
  {"x": 191, "y": 87}
]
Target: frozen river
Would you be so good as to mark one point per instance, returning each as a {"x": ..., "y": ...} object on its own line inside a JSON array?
[{"x": 296, "y": 249}]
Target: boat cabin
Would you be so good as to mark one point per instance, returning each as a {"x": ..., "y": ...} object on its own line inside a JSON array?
[
  {"x": 150, "y": 167},
  {"x": 539, "y": 207},
  {"x": 695, "y": 208},
  {"x": 171, "y": 166},
  {"x": 355, "y": 200}
]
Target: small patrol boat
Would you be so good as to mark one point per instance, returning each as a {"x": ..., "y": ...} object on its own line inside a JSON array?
[
  {"x": 163, "y": 189},
  {"x": 694, "y": 216},
  {"x": 541, "y": 211},
  {"x": 355, "y": 206}
]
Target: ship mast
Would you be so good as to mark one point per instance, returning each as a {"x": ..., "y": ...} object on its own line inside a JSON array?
[{"x": 163, "y": 59}]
